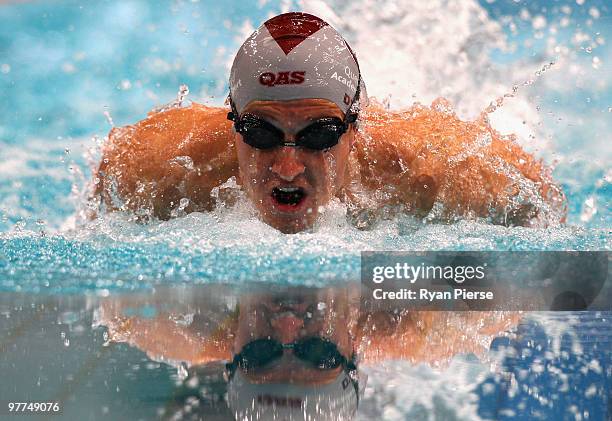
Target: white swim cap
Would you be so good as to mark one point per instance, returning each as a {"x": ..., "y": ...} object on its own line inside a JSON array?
[
  {"x": 336, "y": 401},
  {"x": 296, "y": 56}
]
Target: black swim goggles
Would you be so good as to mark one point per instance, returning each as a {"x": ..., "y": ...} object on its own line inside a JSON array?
[
  {"x": 318, "y": 352},
  {"x": 320, "y": 135}
]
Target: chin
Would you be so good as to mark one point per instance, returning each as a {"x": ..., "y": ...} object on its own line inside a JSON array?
[{"x": 290, "y": 224}]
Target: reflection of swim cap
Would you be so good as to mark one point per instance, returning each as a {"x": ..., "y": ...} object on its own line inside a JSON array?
[
  {"x": 295, "y": 56},
  {"x": 336, "y": 401}
]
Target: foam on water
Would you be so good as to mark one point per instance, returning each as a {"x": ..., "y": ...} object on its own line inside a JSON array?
[
  {"x": 408, "y": 53},
  {"x": 417, "y": 392},
  {"x": 232, "y": 245}
]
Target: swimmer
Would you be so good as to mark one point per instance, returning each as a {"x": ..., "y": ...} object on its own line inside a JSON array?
[
  {"x": 300, "y": 132},
  {"x": 294, "y": 353}
]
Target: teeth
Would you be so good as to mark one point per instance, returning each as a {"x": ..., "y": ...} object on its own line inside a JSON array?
[{"x": 289, "y": 189}]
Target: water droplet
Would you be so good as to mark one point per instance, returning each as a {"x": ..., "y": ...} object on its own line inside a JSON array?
[
  {"x": 538, "y": 22},
  {"x": 589, "y": 209},
  {"x": 109, "y": 119}
]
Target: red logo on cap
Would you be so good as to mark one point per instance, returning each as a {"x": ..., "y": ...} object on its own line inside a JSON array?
[
  {"x": 290, "y": 29},
  {"x": 270, "y": 79}
]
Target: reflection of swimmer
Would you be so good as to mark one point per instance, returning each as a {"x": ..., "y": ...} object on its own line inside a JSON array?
[
  {"x": 297, "y": 97},
  {"x": 296, "y": 352}
]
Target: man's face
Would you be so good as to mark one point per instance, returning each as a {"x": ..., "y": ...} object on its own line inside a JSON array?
[
  {"x": 288, "y": 184},
  {"x": 289, "y": 316}
]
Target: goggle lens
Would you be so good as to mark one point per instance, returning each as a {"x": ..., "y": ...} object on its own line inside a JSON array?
[
  {"x": 322, "y": 134},
  {"x": 319, "y": 352}
]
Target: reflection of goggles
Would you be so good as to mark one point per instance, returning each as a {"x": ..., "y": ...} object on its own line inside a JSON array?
[
  {"x": 322, "y": 134},
  {"x": 318, "y": 352}
]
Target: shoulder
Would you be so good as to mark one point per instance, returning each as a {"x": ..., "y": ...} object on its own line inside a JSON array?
[{"x": 195, "y": 121}]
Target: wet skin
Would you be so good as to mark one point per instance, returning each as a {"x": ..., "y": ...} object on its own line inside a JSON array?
[{"x": 408, "y": 161}]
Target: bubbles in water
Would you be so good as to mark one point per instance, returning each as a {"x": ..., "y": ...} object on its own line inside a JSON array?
[
  {"x": 538, "y": 22},
  {"x": 594, "y": 12}
]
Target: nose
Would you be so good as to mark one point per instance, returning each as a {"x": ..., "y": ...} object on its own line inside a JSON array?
[
  {"x": 287, "y": 328},
  {"x": 287, "y": 164}
]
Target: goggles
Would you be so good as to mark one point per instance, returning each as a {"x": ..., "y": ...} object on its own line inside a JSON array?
[
  {"x": 318, "y": 352},
  {"x": 320, "y": 135}
]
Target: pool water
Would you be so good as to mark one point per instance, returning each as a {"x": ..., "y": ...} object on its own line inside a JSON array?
[{"x": 66, "y": 78}]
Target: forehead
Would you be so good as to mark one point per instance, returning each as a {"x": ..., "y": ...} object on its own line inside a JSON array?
[{"x": 294, "y": 112}]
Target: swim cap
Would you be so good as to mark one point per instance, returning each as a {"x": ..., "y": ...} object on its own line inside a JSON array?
[
  {"x": 336, "y": 401},
  {"x": 296, "y": 56}
]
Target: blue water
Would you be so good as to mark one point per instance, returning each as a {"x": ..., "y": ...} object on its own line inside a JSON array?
[
  {"x": 63, "y": 68},
  {"x": 577, "y": 380}
]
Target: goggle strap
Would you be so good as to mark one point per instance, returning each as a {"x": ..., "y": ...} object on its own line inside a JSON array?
[{"x": 233, "y": 115}]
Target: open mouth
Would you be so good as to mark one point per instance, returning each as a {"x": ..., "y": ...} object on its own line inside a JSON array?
[{"x": 289, "y": 197}]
